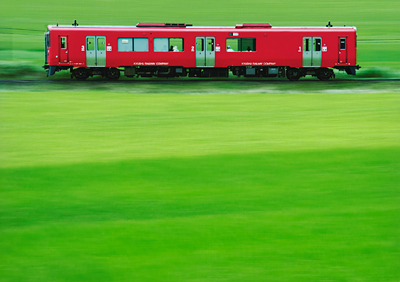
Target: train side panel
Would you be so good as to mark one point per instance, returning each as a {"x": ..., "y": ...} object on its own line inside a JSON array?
[{"x": 113, "y": 47}]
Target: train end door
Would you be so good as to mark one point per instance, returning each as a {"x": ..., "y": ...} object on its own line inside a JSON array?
[{"x": 63, "y": 49}]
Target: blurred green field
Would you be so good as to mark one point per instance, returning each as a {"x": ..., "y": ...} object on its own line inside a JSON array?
[
  {"x": 107, "y": 186},
  {"x": 22, "y": 23},
  {"x": 103, "y": 181}
]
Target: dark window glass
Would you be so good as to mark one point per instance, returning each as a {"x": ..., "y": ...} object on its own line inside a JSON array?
[
  {"x": 307, "y": 44},
  {"x": 317, "y": 44},
  {"x": 248, "y": 44},
  {"x": 342, "y": 43},
  {"x": 63, "y": 43}
]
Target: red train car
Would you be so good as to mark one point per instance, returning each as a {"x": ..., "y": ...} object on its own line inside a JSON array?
[{"x": 177, "y": 49}]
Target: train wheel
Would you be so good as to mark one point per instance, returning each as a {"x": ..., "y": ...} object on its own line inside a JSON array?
[
  {"x": 81, "y": 74},
  {"x": 293, "y": 74},
  {"x": 112, "y": 74},
  {"x": 324, "y": 74}
]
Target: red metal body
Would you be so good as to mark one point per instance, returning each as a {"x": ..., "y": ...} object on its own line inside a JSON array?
[{"x": 276, "y": 46}]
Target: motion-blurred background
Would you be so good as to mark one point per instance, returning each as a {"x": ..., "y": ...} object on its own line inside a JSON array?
[{"x": 199, "y": 180}]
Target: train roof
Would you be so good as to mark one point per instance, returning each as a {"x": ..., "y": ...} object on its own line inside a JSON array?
[{"x": 182, "y": 26}]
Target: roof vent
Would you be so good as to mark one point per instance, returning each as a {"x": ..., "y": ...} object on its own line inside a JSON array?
[
  {"x": 162, "y": 25},
  {"x": 254, "y": 25}
]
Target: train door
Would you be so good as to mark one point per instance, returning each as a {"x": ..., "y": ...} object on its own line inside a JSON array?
[
  {"x": 316, "y": 53},
  {"x": 101, "y": 51},
  {"x": 342, "y": 50},
  {"x": 205, "y": 51},
  {"x": 312, "y": 55},
  {"x": 64, "y": 57},
  {"x": 307, "y": 58},
  {"x": 95, "y": 51}
]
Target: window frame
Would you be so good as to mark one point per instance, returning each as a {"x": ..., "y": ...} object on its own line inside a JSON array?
[
  {"x": 239, "y": 44},
  {"x": 343, "y": 43},
  {"x": 65, "y": 42},
  {"x": 132, "y": 39},
  {"x": 169, "y": 44}
]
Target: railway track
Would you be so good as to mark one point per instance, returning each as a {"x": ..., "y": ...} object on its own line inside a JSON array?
[{"x": 173, "y": 81}]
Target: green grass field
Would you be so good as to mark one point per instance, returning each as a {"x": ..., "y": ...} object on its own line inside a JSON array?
[
  {"x": 199, "y": 180},
  {"x": 107, "y": 186}
]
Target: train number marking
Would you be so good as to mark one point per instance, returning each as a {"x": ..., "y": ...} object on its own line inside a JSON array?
[
  {"x": 192, "y": 49},
  {"x": 83, "y": 48}
]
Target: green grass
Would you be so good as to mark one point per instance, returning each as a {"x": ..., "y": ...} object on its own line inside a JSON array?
[
  {"x": 107, "y": 186},
  {"x": 22, "y": 23}
]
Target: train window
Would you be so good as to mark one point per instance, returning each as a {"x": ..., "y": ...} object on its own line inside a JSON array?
[
  {"x": 240, "y": 44},
  {"x": 317, "y": 44},
  {"x": 199, "y": 44},
  {"x": 141, "y": 44},
  {"x": 133, "y": 44},
  {"x": 176, "y": 44},
  {"x": 210, "y": 44},
  {"x": 63, "y": 43},
  {"x": 168, "y": 44},
  {"x": 306, "y": 44},
  {"x": 342, "y": 43},
  {"x": 125, "y": 44},
  {"x": 232, "y": 44},
  {"x": 90, "y": 44},
  {"x": 101, "y": 44},
  {"x": 248, "y": 44},
  {"x": 161, "y": 44}
]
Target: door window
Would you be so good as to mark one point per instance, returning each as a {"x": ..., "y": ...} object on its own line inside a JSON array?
[
  {"x": 101, "y": 44},
  {"x": 199, "y": 44},
  {"x": 306, "y": 44},
  {"x": 317, "y": 45},
  {"x": 63, "y": 43},
  {"x": 342, "y": 43},
  {"x": 90, "y": 44},
  {"x": 210, "y": 44}
]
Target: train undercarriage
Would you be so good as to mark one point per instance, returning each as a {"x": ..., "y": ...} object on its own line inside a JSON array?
[{"x": 292, "y": 74}]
